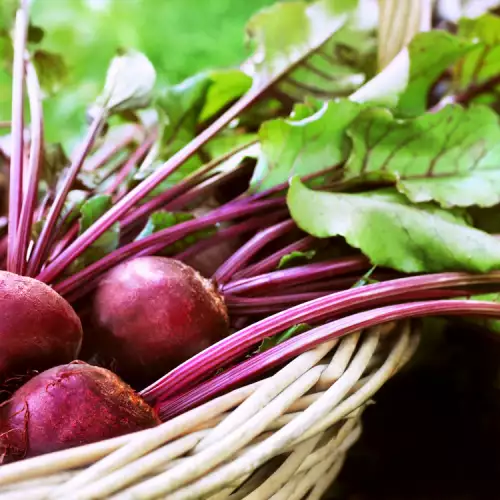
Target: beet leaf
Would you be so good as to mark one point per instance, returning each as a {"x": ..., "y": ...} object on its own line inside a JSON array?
[{"x": 394, "y": 233}]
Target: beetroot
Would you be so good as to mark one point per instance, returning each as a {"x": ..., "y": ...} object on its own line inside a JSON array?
[
  {"x": 151, "y": 314},
  {"x": 68, "y": 406},
  {"x": 38, "y": 328}
]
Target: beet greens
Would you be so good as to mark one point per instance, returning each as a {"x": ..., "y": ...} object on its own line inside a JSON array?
[{"x": 320, "y": 166}]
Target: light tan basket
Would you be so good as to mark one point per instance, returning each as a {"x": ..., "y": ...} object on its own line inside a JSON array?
[{"x": 283, "y": 438}]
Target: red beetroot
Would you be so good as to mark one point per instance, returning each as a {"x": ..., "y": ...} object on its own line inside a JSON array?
[
  {"x": 68, "y": 406},
  {"x": 151, "y": 314},
  {"x": 38, "y": 328}
]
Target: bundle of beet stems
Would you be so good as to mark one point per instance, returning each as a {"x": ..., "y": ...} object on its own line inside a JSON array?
[{"x": 374, "y": 214}]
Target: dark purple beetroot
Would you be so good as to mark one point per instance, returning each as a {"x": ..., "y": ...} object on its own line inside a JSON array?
[
  {"x": 68, "y": 406},
  {"x": 153, "y": 313},
  {"x": 38, "y": 328}
]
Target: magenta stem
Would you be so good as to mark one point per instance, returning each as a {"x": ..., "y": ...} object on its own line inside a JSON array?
[
  {"x": 242, "y": 256},
  {"x": 111, "y": 148},
  {"x": 229, "y": 232},
  {"x": 140, "y": 191},
  {"x": 276, "y": 356},
  {"x": 36, "y": 151},
  {"x": 264, "y": 306},
  {"x": 163, "y": 238},
  {"x": 17, "y": 158},
  {"x": 48, "y": 231},
  {"x": 129, "y": 165},
  {"x": 227, "y": 349},
  {"x": 204, "y": 188},
  {"x": 271, "y": 263},
  {"x": 172, "y": 195},
  {"x": 299, "y": 274}
]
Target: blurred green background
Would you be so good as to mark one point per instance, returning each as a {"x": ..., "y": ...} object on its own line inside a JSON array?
[{"x": 180, "y": 37}]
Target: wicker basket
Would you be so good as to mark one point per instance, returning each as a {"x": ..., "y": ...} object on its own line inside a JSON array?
[{"x": 284, "y": 437}]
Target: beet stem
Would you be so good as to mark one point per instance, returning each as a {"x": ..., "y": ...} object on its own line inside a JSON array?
[
  {"x": 230, "y": 232},
  {"x": 128, "y": 166},
  {"x": 159, "y": 240},
  {"x": 175, "y": 193},
  {"x": 139, "y": 192},
  {"x": 271, "y": 262},
  {"x": 275, "y": 356},
  {"x": 299, "y": 274},
  {"x": 47, "y": 234},
  {"x": 340, "y": 302},
  {"x": 242, "y": 256},
  {"x": 107, "y": 151},
  {"x": 16, "y": 162},
  {"x": 34, "y": 163}
]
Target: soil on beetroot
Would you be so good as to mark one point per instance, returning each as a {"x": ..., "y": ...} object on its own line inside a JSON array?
[{"x": 434, "y": 430}]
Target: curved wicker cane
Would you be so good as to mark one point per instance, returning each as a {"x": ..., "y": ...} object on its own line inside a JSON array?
[{"x": 284, "y": 437}]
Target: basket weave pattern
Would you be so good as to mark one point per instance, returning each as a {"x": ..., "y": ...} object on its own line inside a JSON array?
[{"x": 284, "y": 437}]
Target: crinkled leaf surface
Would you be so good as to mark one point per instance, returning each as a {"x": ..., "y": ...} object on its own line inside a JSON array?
[
  {"x": 452, "y": 157},
  {"x": 324, "y": 48},
  {"x": 394, "y": 233},
  {"x": 302, "y": 147},
  {"x": 226, "y": 86},
  {"x": 430, "y": 53},
  {"x": 483, "y": 61}
]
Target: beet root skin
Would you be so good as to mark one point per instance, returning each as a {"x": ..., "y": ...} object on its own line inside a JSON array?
[
  {"x": 68, "y": 406},
  {"x": 153, "y": 313},
  {"x": 38, "y": 328}
]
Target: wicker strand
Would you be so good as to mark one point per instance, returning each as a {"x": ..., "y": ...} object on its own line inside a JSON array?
[
  {"x": 213, "y": 456},
  {"x": 154, "y": 438},
  {"x": 293, "y": 431},
  {"x": 286, "y": 471},
  {"x": 284, "y": 437},
  {"x": 261, "y": 397}
]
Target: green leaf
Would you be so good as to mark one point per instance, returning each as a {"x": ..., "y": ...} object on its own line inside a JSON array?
[
  {"x": 69, "y": 213},
  {"x": 129, "y": 82},
  {"x": 35, "y": 34},
  {"x": 90, "y": 212},
  {"x": 162, "y": 220},
  {"x": 452, "y": 157},
  {"x": 227, "y": 86},
  {"x": 366, "y": 279},
  {"x": 8, "y": 10},
  {"x": 273, "y": 341},
  {"x": 325, "y": 48},
  {"x": 431, "y": 53},
  {"x": 54, "y": 162},
  {"x": 483, "y": 61},
  {"x": 302, "y": 147},
  {"x": 225, "y": 146},
  {"x": 291, "y": 258},
  {"x": 394, "y": 233},
  {"x": 180, "y": 107},
  {"x": 51, "y": 70}
]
